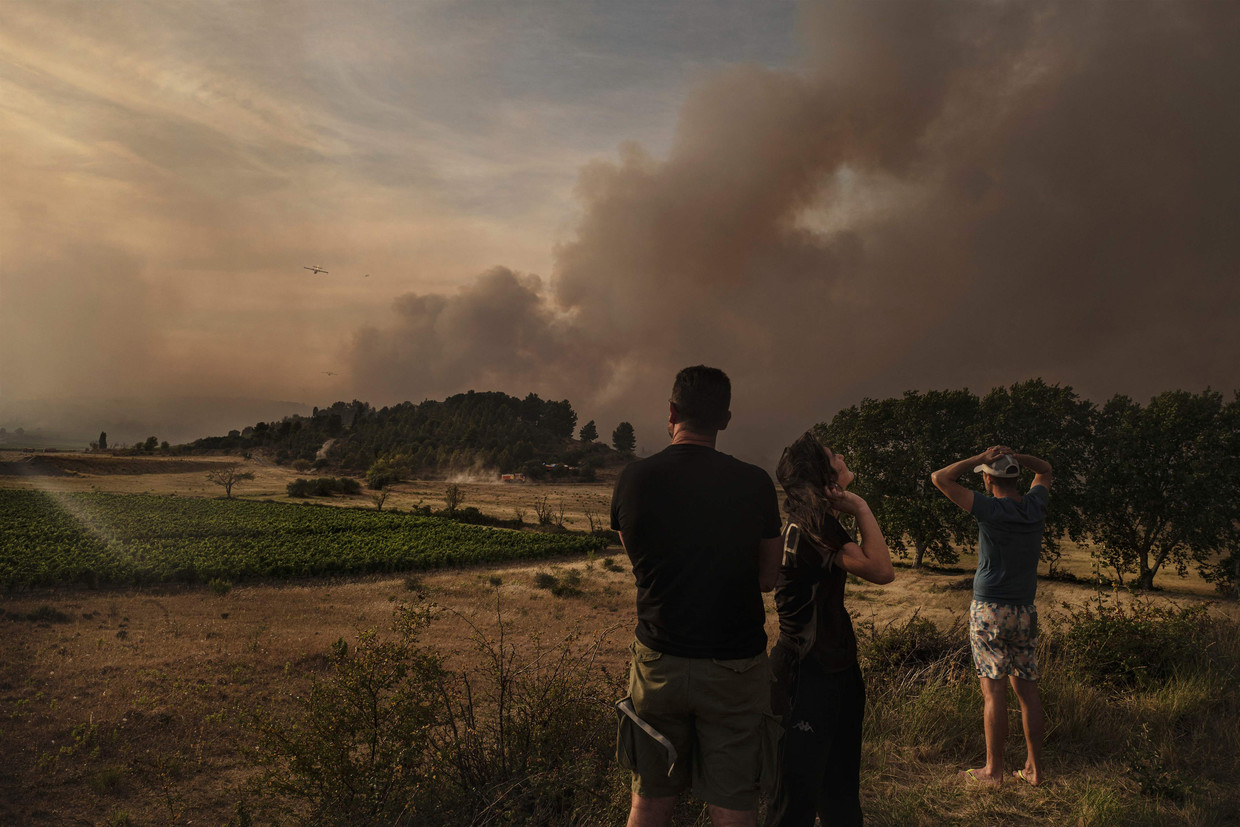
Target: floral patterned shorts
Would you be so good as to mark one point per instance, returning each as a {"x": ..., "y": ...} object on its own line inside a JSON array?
[{"x": 1004, "y": 640}]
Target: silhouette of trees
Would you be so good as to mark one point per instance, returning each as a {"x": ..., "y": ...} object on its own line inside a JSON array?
[
  {"x": 228, "y": 478},
  {"x": 624, "y": 439}
]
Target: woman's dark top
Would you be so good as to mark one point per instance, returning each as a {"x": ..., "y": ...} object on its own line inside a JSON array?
[{"x": 810, "y": 598}]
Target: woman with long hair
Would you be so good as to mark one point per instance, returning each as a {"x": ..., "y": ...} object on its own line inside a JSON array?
[{"x": 818, "y": 691}]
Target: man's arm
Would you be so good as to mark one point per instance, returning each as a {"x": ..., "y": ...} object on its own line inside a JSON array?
[
  {"x": 946, "y": 479},
  {"x": 872, "y": 559},
  {"x": 770, "y": 556},
  {"x": 1041, "y": 469}
]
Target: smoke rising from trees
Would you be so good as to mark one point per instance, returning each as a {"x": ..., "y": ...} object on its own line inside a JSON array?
[{"x": 943, "y": 194}]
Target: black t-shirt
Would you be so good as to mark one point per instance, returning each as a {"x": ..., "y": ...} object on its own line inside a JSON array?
[
  {"x": 810, "y": 598},
  {"x": 692, "y": 519}
]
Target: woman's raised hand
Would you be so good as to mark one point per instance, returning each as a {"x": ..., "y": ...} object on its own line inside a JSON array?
[{"x": 845, "y": 501}]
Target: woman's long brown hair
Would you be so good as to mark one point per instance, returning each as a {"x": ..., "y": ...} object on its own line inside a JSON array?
[{"x": 805, "y": 473}]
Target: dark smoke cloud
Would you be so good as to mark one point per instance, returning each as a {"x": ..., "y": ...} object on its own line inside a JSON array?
[{"x": 947, "y": 194}]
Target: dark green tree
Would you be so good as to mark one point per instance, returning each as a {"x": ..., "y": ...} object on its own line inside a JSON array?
[
  {"x": 624, "y": 439},
  {"x": 559, "y": 418},
  {"x": 589, "y": 432},
  {"x": 453, "y": 496},
  {"x": 1053, "y": 423},
  {"x": 892, "y": 446},
  {"x": 103, "y": 440},
  {"x": 1162, "y": 485}
]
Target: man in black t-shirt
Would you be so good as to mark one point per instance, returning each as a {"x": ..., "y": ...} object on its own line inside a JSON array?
[{"x": 702, "y": 532}]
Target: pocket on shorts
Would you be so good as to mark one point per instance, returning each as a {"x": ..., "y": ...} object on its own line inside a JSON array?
[
  {"x": 643, "y": 653},
  {"x": 626, "y": 739},
  {"x": 772, "y": 740}
]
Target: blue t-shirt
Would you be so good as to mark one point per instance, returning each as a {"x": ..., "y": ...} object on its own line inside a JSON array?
[{"x": 1009, "y": 543}]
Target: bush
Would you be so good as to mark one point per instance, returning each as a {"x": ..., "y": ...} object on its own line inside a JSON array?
[
  {"x": 44, "y": 614},
  {"x": 361, "y": 746},
  {"x": 381, "y": 474},
  {"x": 1138, "y": 645},
  {"x": 298, "y": 488},
  {"x": 323, "y": 487},
  {"x": 566, "y": 585},
  {"x": 897, "y": 652},
  {"x": 220, "y": 587},
  {"x": 389, "y": 737}
]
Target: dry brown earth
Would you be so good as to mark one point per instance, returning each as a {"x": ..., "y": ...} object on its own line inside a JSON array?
[{"x": 127, "y": 705}]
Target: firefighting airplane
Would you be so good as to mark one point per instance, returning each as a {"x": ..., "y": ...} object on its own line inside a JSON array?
[{"x": 316, "y": 270}]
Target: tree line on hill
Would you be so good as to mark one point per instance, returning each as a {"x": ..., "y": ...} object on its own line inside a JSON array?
[
  {"x": 487, "y": 430},
  {"x": 1145, "y": 487}
]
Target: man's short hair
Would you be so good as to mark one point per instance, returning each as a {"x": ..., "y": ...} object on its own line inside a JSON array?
[{"x": 702, "y": 397}]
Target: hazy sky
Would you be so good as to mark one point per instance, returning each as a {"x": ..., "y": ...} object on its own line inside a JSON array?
[{"x": 827, "y": 200}]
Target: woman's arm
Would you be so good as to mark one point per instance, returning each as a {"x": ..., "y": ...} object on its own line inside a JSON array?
[{"x": 871, "y": 560}]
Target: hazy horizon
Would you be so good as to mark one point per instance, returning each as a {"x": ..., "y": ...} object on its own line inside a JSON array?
[{"x": 828, "y": 200}]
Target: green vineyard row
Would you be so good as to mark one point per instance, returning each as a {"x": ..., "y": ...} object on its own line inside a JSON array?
[{"x": 116, "y": 539}]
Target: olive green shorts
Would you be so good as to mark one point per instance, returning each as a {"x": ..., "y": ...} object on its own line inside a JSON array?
[{"x": 716, "y": 713}]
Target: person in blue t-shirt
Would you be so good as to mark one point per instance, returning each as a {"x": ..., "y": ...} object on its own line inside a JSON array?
[{"x": 1003, "y": 621}]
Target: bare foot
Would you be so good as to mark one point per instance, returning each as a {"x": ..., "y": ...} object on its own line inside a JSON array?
[
  {"x": 979, "y": 776},
  {"x": 1030, "y": 777}
]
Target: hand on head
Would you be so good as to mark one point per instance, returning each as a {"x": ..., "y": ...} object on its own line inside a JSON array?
[
  {"x": 994, "y": 452},
  {"x": 844, "y": 501}
]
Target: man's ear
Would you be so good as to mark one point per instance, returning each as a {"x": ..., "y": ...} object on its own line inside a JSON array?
[
  {"x": 727, "y": 417},
  {"x": 673, "y": 415}
]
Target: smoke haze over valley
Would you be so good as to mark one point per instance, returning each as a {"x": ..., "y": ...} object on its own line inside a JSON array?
[{"x": 827, "y": 200}]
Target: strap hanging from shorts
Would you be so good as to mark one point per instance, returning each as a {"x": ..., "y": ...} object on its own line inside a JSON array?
[
  {"x": 792, "y": 541},
  {"x": 626, "y": 706}
]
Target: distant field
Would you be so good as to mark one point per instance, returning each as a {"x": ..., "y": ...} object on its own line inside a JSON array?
[{"x": 53, "y": 538}]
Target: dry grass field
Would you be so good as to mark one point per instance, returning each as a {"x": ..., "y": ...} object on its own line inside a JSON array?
[{"x": 125, "y": 706}]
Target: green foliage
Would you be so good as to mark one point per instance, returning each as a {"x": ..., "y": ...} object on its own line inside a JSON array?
[
  {"x": 390, "y": 737},
  {"x": 323, "y": 487},
  {"x": 1160, "y": 750},
  {"x": 218, "y": 586},
  {"x": 135, "y": 538},
  {"x": 381, "y": 474},
  {"x": 43, "y": 614},
  {"x": 892, "y": 446},
  {"x": 1147, "y": 486},
  {"x": 1150, "y": 770},
  {"x": 360, "y": 750},
  {"x": 1053, "y": 423},
  {"x": 892, "y": 652},
  {"x": 453, "y": 496},
  {"x": 589, "y": 432},
  {"x": 467, "y": 430},
  {"x": 567, "y": 584},
  {"x": 624, "y": 438},
  {"x": 1164, "y": 486},
  {"x": 1142, "y": 644}
]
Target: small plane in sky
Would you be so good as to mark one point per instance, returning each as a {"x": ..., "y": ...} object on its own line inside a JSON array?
[{"x": 316, "y": 270}]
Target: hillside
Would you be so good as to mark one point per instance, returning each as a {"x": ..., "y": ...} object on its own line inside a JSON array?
[{"x": 487, "y": 430}]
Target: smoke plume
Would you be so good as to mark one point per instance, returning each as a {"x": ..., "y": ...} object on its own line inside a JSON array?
[{"x": 942, "y": 195}]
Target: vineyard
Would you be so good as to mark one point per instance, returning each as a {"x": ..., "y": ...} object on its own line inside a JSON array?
[{"x": 117, "y": 539}]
